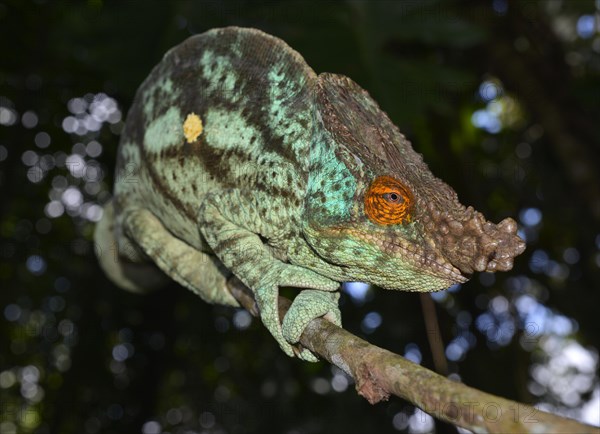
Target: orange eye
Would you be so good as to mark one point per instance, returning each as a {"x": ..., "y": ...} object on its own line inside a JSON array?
[{"x": 388, "y": 201}]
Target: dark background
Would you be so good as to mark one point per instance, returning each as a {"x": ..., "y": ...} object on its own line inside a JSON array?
[{"x": 500, "y": 97}]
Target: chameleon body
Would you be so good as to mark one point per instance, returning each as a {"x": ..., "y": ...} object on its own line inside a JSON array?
[{"x": 238, "y": 159}]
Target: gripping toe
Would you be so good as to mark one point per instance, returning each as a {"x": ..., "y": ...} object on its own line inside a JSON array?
[{"x": 308, "y": 305}]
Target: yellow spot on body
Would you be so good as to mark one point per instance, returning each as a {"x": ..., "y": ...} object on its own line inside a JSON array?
[{"x": 192, "y": 127}]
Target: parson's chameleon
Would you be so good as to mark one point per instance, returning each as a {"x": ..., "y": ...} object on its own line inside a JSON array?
[{"x": 238, "y": 159}]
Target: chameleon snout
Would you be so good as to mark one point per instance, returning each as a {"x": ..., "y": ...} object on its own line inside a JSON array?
[
  {"x": 471, "y": 243},
  {"x": 479, "y": 245}
]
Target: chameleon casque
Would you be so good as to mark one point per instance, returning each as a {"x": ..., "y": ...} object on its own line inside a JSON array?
[{"x": 238, "y": 159}]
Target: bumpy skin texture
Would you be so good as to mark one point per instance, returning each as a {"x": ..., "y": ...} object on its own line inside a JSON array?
[{"x": 237, "y": 158}]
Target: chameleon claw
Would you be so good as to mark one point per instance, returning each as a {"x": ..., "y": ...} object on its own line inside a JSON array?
[{"x": 306, "y": 355}]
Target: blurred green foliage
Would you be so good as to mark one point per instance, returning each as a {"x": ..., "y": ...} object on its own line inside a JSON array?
[{"x": 500, "y": 97}]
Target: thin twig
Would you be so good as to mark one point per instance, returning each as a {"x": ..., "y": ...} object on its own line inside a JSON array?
[
  {"x": 434, "y": 335},
  {"x": 379, "y": 373}
]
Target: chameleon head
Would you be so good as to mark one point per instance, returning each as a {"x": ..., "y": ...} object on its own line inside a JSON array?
[{"x": 377, "y": 212}]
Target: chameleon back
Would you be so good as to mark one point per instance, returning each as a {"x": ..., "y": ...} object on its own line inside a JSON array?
[{"x": 247, "y": 95}]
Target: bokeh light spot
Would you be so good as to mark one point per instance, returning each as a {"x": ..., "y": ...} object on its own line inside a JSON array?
[
  {"x": 42, "y": 139},
  {"x": 586, "y": 26},
  {"x": 358, "y": 291},
  {"x": 370, "y": 322},
  {"x": 242, "y": 319},
  {"x": 29, "y": 119},
  {"x": 36, "y": 265},
  {"x": 530, "y": 216}
]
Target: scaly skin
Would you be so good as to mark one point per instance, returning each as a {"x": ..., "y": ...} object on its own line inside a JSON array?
[{"x": 237, "y": 159}]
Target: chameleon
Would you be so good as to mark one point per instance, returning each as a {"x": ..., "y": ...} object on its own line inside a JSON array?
[{"x": 238, "y": 160}]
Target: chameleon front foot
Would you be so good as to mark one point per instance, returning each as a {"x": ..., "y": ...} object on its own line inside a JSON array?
[
  {"x": 304, "y": 308},
  {"x": 308, "y": 305}
]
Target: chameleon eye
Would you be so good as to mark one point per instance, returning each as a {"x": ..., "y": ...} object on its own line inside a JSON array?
[
  {"x": 388, "y": 201},
  {"x": 393, "y": 197}
]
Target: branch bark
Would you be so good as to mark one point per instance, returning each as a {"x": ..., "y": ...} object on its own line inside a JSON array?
[{"x": 379, "y": 373}]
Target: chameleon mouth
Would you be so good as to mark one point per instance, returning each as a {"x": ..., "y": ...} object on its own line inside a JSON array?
[{"x": 430, "y": 263}]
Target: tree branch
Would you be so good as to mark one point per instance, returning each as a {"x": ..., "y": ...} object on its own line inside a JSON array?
[{"x": 379, "y": 373}]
